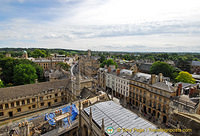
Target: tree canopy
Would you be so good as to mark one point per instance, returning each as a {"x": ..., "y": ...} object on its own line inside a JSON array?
[
  {"x": 108, "y": 63},
  {"x": 162, "y": 67},
  {"x": 7, "y": 72},
  {"x": 24, "y": 74},
  {"x": 185, "y": 77},
  {"x": 1, "y": 83},
  {"x": 64, "y": 66},
  {"x": 38, "y": 53}
]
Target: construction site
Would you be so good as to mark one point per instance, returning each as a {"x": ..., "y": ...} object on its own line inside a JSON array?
[{"x": 61, "y": 120}]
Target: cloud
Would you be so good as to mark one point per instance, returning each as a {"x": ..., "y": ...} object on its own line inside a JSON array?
[{"x": 101, "y": 24}]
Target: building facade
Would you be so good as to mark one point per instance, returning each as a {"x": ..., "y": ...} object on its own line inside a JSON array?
[
  {"x": 149, "y": 94},
  {"x": 89, "y": 65},
  {"x": 24, "y": 99}
]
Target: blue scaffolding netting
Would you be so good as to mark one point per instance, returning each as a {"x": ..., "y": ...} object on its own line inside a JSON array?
[{"x": 71, "y": 109}]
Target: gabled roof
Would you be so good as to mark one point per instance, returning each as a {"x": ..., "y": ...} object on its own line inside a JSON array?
[
  {"x": 195, "y": 63},
  {"x": 164, "y": 86},
  {"x": 118, "y": 117},
  {"x": 31, "y": 89}
]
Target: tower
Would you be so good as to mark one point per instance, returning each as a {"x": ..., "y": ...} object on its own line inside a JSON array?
[
  {"x": 77, "y": 82},
  {"x": 89, "y": 53},
  {"x": 25, "y": 55}
]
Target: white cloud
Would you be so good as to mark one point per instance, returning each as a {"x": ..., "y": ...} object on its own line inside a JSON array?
[{"x": 120, "y": 25}]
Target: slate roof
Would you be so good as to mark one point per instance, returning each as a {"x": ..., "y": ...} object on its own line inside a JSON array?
[
  {"x": 31, "y": 89},
  {"x": 118, "y": 117},
  {"x": 195, "y": 63},
  {"x": 164, "y": 86}
]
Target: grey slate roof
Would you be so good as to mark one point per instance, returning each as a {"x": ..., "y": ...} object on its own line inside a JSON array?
[
  {"x": 31, "y": 89},
  {"x": 195, "y": 63},
  {"x": 164, "y": 86},
  {"x": 118, "y": 117}
]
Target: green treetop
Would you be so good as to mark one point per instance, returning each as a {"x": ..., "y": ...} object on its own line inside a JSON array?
[
  {"x": 185, "y": 77},
  {"x": 108, "y": 63},
  {"x": 1, "y": 83},
  {"x": 24, "y": 74}
]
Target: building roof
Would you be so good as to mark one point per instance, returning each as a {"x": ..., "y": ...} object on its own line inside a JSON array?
[
  {"x": 195, "y": 63},
  {"x": 118, "y": 117},
  {"x": 46, "y": 61},
  {"x": 196, "y": 76},
  {"x": 30, "y": 89},
  {"x": 145, "y": 67},
  {"x": 164, "y": 86}
]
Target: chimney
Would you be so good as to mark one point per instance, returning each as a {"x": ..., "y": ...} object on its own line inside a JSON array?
[
  {"x": 109, "y": 69},
  {"x": 153, "y": 79},
  {"x": 160, "y": 77},
  {"x": 178, "y": 92},
  {"x": 118, "y": 72},
  {"x": 135, "y": 69}
]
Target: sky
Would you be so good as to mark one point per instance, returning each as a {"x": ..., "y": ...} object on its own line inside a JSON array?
[{"x": 101, "y": 25}]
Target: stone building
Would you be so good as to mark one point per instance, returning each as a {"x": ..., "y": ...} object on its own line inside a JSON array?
[
  {"x": 24, "y": 99},
  {"x": 89, "y": 65},
  {"x": 101, "y": 78},
  {"x": 195, "y": 67},
  {"x": 186, "y": 99},
  {"x": 47, "y": 64},
  {"x": 149, "y": 94},
  {"x": 108, "y": 118},
  {"x": 8, "y": 55}
]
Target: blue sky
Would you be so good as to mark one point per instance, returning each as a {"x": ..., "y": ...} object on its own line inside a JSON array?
[{"x": 107, "y": 25}]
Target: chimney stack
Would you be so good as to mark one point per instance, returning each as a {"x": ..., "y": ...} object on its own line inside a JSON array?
[
  {"x": 153, "y": 79},
  {"x": 160, "y": 77},
  {"x": 118, "y": 72},
  {"x": 109, "y": 69},
  {"x": 178, "y": 92}
]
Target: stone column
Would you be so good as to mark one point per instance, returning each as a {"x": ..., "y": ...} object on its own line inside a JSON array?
[
  {"x": 102, "y": 128},
  {"x": 90, "y": 123}
]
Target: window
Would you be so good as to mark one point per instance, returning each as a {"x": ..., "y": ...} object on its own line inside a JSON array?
[
  {"x": 23, "y": 102},
  {"x": 6, "y": 105},
  {"x": 19, "y": 110},
  {"x": 41, "y": 98},
  {"x": 56, "y": 95},
  {"x": 12, "y": 104},
  {"x": 33, "y": 100},
  {"x": 33, "y": 106},
  {"x": 28, "y": 101},
  {"x": 55, "y": 100},
  {"x": 1, "y": 106},
  {"x": 62, "y": 93},
  {"x": 1, "y": 114},
  {"x": 29, "y": 107},
  {"x": 17, "y": 103},
  {"x": 42, "y": 104}
]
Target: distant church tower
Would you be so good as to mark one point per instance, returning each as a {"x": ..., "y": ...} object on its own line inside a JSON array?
[
  {"x": 89, "y": 53},
  {"x": 25, "y": 55}
]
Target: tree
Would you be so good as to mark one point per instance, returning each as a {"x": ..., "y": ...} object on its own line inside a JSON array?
[
  {"x": 102, "y": 58},
  {"x": 108, "y": 63},
  {"x": 63, "y": 65},
  {"x": 38, "y": 53},
  {"x": 1, "y": 83},
  {"x": 185, "y": 77},
  {"x": 24, "y": 74},
  {"x": 162, "y": 67}
]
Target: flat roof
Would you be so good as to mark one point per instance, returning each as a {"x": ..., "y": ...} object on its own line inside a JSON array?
[{"x": 116, "y": 116}]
